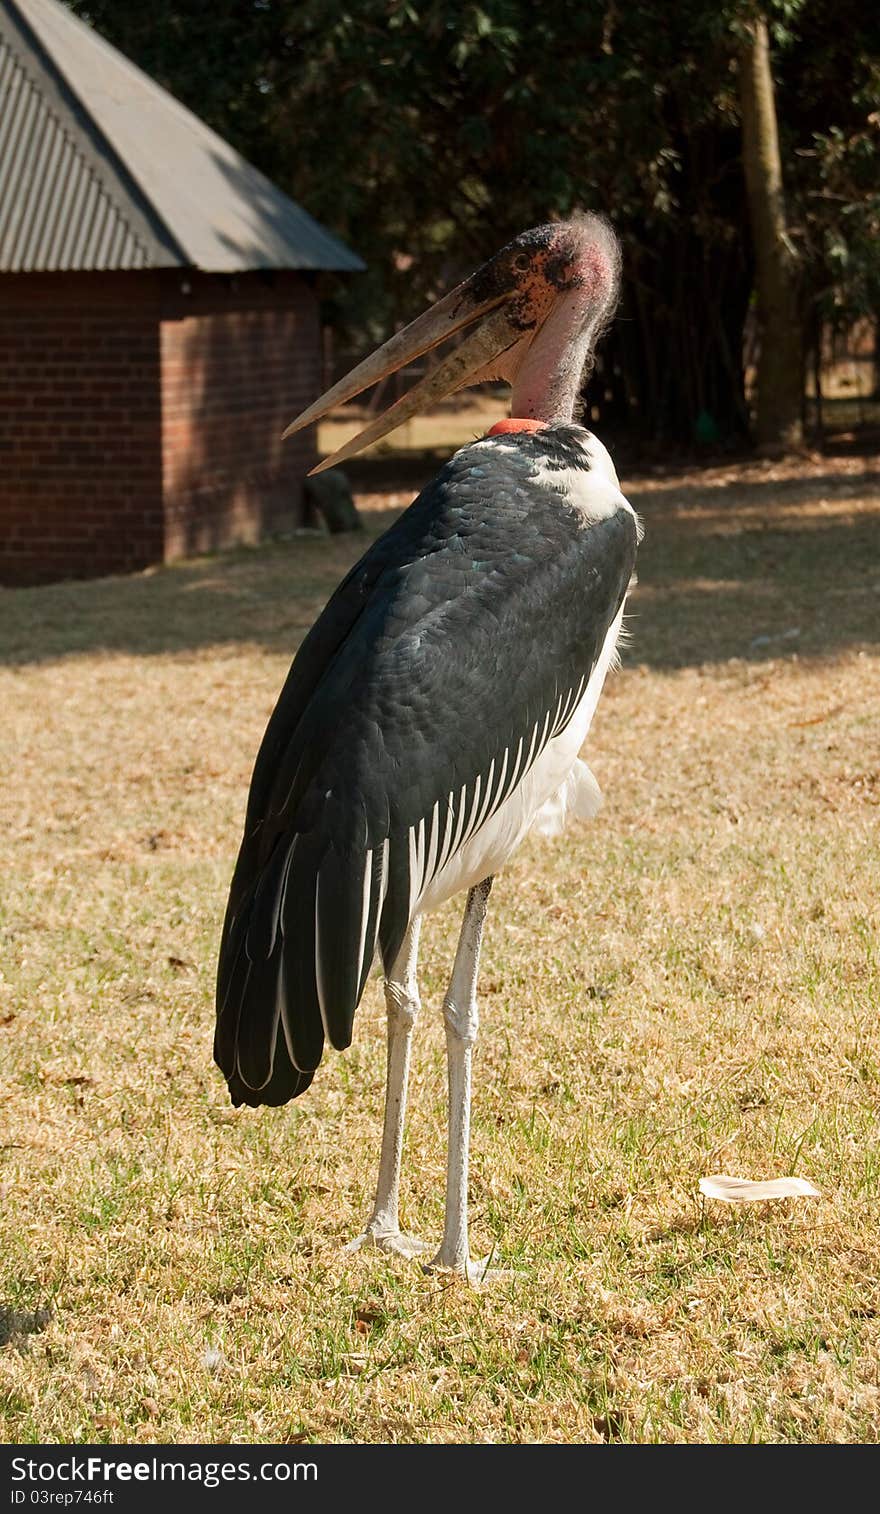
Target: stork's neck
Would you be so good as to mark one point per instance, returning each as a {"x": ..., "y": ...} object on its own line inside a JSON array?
[{"x": 548, "y": 382}]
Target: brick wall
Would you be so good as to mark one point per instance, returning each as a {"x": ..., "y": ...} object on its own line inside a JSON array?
[
  {"x": 79, "y": 432},
  {"x": 141, "y": 416},
  {"x": 237, "y": 366}
]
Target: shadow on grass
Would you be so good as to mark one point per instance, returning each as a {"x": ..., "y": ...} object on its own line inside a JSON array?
[
  {"x": 17, "y": 1324},
  {"x": 690, "y": 490},
  {"x": 757, "y": 569},
  {"x": 786, "y": 567}
]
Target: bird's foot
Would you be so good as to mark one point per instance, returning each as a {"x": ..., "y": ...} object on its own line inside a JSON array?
[
  {"x": 390, "y": 1239},
  {"x": 479, "y": 1274}
]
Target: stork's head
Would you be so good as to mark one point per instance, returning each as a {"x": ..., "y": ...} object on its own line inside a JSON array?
[{"x": 541, "y": 302}]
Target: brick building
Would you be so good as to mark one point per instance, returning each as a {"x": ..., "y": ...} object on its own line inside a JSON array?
[{"x": 158, "y": 317}]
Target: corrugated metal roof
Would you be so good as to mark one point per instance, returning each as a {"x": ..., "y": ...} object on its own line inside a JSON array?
[
  {"x": 102, "y": 168},
  {"x": 55, "y": 212}
]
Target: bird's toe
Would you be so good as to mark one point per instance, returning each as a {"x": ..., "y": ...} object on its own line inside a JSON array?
[
  {"x": 478, "y": 1273},
  {"x": 395, "y": 1241}
]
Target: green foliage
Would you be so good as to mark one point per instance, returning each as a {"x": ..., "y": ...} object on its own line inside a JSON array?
[
  {"x": 830, "y": 104},
  {"x": 427, "y": 131}
]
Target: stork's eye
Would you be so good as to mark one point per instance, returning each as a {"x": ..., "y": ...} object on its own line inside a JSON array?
[{"x": 521, "y": 262}]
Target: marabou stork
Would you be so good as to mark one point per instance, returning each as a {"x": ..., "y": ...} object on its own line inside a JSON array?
[{"x": 437, "y": 707}]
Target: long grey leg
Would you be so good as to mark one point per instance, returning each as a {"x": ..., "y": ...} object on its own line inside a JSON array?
[
  {"x": 402, "y": 1004},
  {"x": 462, "y": 1023}
]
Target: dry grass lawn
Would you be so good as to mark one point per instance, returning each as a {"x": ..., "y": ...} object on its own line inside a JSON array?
[{"x": 689, "y": 986}]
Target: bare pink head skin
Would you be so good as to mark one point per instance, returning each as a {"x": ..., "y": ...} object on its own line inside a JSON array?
[
  {"x": 582, "y": 266},
  {"x": 531, "y": 315}
]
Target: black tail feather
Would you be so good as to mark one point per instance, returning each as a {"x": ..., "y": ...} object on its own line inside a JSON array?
[
  {"x": 344, "y": 896},
  {"x": 301, "y": 1012},
  {"x": 293, "y": 964}
]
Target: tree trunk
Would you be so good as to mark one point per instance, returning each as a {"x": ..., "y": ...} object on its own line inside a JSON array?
[{"x": 780, "y": 383}]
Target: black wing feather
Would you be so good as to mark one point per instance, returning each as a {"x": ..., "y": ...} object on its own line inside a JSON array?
[{"x": 461, "y": 634}]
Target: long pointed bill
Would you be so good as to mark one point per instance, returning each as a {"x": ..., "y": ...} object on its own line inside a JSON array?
[
  {"x": 478, "y": 350},
  {"x": 456, "y": 310}
]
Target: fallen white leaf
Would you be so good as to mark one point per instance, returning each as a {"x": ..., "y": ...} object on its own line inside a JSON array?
[
  {"x": 213, "y": 1359},
  {"x": 744, "y": 1191}
]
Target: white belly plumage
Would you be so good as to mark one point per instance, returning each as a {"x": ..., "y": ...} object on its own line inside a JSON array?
[{"x": 556, "y": 786}]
